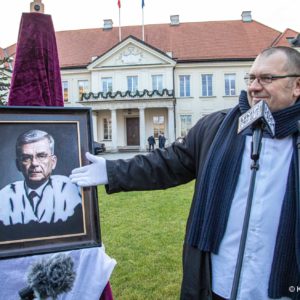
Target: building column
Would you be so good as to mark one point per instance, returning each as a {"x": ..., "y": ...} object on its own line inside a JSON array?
[
  {"x": 171, "y": 126},
  {"x": 142, "y": 129},
  {"x": 95, "y": 125},
  {"x": 114, "y": 135}
]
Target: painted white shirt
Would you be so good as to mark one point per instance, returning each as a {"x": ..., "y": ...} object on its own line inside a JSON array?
[
  {"x": 270, "y": 187},
  {"x": 57, "y": 202}
]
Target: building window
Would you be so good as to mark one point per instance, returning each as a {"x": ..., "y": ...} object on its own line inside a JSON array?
[
  {"x": 206, "y": 83},
  {"x": 106, "y": 83},
  {"x": 157, "y": 82},
  {"x": 106, "y": 129},
  {"x": 132, "y": 83},
  {"x": 185, "y": 124},
  {"x": 230, "y": 89},
  {"x": 158, "y": 125},
  {"x": 83, "y": 87},
  {"x": 184, "y": 83},
  {"x": 65, "y": 85}
]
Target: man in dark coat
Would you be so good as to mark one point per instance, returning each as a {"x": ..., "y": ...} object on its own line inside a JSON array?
[
  {"x": 161, "y": 141},
  {"x": 220, "y": 160},
  {"x": 151, "y": 142}
]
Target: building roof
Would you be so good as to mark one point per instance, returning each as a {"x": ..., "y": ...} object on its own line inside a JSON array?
[
  {"x": 215, "y": 40},
  {"x": 9, "y": 51},
  {"x": 4, "y": 53},
  {"x": 193, "y": 41},
  {"x": 283, "y": 38}
]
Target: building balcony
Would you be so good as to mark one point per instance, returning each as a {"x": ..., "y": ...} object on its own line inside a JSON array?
[{"x": 128, "y": 95}]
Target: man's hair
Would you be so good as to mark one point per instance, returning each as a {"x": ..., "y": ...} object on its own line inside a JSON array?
[
  {"x": 32, "y": 136},
  {"x": 293, "y": 57}
]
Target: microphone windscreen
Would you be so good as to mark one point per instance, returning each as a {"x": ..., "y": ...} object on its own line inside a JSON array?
[
  {"x": 26, "y": 293},
  {"x": 49, "y": 278},
  {"x": 37, "y": 278}
]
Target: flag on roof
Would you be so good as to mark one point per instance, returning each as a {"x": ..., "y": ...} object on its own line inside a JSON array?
[{"x": 119, "y": 3}]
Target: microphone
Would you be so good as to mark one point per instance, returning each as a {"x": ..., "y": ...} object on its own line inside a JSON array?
[
  {"x": 259, "y": 113},
  {"x": 298, "y": 137},
  {"x": 258, "y": 118},
  {"x": 49, "y": 278}
]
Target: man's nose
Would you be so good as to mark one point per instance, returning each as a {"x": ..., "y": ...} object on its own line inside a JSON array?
[
  {"x": 255, "y": 85},
  {"x": 34, "y": 161}
]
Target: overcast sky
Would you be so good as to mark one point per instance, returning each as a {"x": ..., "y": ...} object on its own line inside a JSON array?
[{"x": 75, "y": 14}]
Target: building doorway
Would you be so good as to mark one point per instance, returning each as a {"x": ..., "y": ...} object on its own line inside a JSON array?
[{"x": 133, "y": 131}]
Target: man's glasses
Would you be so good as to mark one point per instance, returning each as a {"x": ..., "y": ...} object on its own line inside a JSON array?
[
  {"x": 40, "y": 157},
  {"x": 266, "y": 79}
]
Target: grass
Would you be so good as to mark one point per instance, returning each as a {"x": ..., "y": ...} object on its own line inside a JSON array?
[{"x": 144, "y": 232}]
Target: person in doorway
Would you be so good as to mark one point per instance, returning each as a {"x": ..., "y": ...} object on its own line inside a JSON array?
[
  {"x": 151, "y": 142},
  {"x": 161, "y": 141},
  {"x": 218, "y": 158}
]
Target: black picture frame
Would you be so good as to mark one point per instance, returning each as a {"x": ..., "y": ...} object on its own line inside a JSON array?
[{"x": 72, "y": 131}]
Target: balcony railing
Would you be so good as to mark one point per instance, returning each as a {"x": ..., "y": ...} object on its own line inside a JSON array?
[{"x": 128, "y": 95}]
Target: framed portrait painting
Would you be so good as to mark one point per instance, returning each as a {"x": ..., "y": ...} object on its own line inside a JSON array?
[{"x": 41, "y": 210}]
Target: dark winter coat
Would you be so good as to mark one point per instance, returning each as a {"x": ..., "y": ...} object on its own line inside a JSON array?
[{"x": 179, "y": 164}]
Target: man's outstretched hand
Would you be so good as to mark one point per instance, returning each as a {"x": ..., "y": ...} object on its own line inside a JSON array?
[{"x": 92, "y": 174}]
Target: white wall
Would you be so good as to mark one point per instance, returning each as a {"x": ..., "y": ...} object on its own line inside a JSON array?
[
  {"x": 198, "y": 106},
  {"x": 73, "y": 78}
]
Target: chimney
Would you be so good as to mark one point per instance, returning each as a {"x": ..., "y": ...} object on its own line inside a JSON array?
[
  {"x": 108, "y": 24},
  {"x": 37, "y": 6},
  {"x": 174, "y": 20},
  {"x": 246, "y": 16}
]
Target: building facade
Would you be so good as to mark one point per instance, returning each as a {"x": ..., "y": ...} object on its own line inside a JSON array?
[
  {"x": 136, "y": 91},
  {"x": 131, "y": 92}
]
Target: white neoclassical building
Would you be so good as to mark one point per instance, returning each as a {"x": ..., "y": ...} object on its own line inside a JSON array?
[{"x": 130, "y": 89}]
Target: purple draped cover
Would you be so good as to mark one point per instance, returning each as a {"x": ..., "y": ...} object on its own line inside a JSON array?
[{"x": 36, "y": 77}]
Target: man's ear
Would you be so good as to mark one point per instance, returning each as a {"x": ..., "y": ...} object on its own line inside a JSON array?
[
  {"x": 54, "y": 161},
  {"x": 297, "y": 88},
  {"x": 18, "y": 165}
]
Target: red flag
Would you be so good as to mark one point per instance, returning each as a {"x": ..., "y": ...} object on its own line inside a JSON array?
[{"x": 119, "y": 3}]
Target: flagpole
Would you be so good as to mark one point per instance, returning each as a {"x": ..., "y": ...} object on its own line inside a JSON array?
[
  {"x": 143, "y": 25},
  {"x": 143, "y": 30},
  {"x": 120, "y": 37}
]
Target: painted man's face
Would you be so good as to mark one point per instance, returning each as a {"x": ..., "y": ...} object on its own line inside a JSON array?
[{"x": 36, "y": 162}]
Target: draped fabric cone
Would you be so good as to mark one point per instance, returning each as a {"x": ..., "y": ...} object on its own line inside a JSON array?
[{"x": 36, "y": 77}]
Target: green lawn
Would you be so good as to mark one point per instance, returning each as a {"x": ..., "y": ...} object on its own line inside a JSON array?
[{"x": 144, "y": 232}]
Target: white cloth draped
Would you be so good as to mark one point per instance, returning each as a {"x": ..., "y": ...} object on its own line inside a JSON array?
[{"x": 93, "y": 268}]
